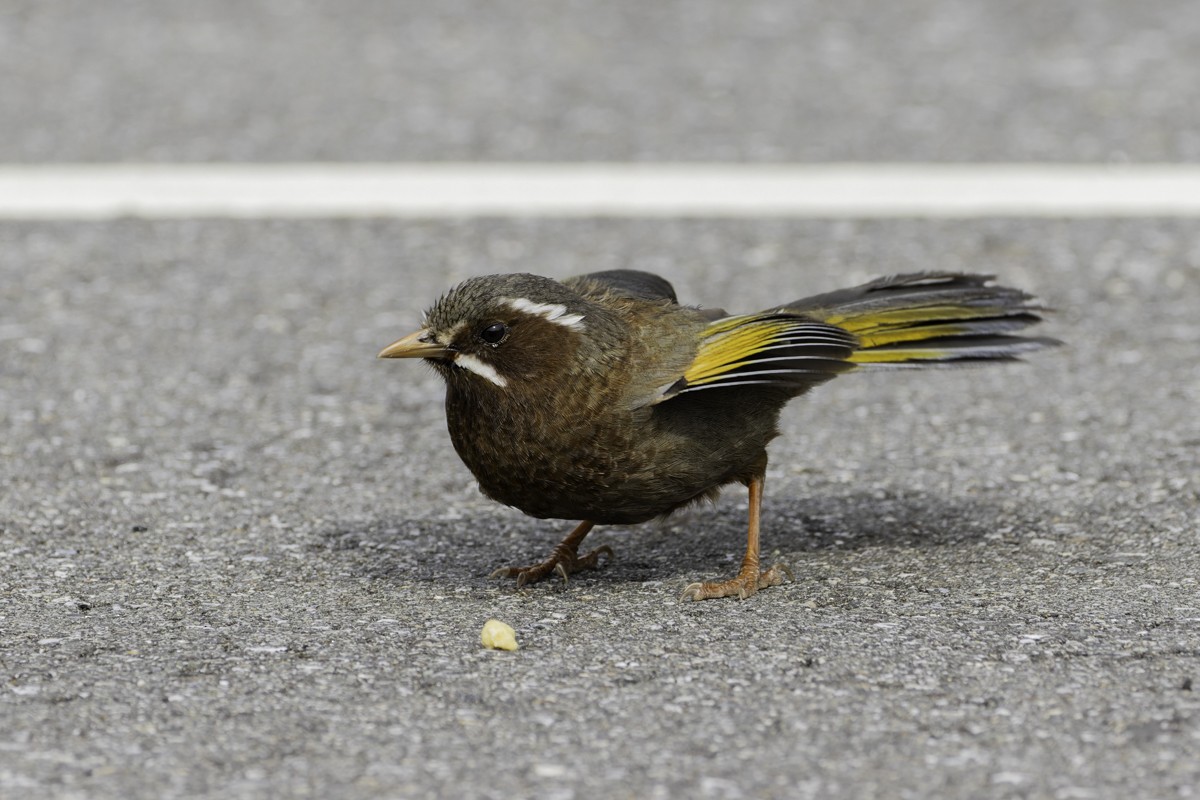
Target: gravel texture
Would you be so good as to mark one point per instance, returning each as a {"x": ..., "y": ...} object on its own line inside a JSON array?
[
  {"x": 239, "y": 558},
  {"x": 534, "y": 80}
]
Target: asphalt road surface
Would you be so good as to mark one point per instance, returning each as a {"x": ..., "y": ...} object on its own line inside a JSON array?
[
  {"x": 239, "y": 558},
  {"x": 536, "y": 80}
]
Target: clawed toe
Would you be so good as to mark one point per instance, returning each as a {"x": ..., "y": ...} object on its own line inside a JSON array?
[
  {"x": 591, "y": 559},
  {"x": 562, "y": 564},
  {"x": 745, "y": 584},
  {"x": 564, "y": 561}
]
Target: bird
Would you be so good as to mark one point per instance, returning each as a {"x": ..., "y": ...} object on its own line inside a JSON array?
[{"x": 602, "y": 399}]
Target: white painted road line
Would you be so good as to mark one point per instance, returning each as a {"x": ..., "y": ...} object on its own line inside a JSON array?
[{"x": 172, "y": 191}]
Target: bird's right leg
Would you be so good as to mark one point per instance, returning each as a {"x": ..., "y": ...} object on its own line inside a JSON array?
[{"x": 749, "y": 578}]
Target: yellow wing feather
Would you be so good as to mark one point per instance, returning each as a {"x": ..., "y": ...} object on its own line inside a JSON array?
[
  {"x": 775, "y": 348},
  {"x": 860, "y": 324},
  {"x": 923, "y": 319},
  {"x": 732, "y": 348}
]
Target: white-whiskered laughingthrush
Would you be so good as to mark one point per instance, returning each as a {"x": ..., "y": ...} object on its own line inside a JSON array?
[{"x": 600, "y": 398}]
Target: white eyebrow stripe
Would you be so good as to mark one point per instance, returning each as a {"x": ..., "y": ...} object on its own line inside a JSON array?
[
  {"x": 480, "y": 368},
  {"x": 553, "y": 312}
]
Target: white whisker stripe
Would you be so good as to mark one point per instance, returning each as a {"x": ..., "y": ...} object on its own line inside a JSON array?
[{"x": 483, "y": 370}]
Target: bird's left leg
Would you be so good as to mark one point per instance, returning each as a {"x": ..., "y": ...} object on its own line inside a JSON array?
[
  {"x": 749, "y": 579},
  {"x": 564, "y": 560}
]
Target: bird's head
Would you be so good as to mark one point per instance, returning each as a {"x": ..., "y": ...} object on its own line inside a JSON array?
[{"x": 499, "y": 330}]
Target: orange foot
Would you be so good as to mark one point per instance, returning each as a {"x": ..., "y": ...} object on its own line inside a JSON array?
[
  {"x": 748, "y": 581},
  {"x": 565, "y": 560}
]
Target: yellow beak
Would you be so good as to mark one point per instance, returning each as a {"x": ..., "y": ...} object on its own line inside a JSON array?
[{"x": 415, "y": 345}]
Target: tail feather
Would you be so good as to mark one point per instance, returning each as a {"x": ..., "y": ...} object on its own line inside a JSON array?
[
  {"x": 905, "y": 321},
  {"x": 930, "y": 319}
]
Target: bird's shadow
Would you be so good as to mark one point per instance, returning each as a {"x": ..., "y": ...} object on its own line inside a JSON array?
[{"x": 697, "y": 542}]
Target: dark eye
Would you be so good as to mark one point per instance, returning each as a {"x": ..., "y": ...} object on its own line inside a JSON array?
[{"x": 494, "y": 333}]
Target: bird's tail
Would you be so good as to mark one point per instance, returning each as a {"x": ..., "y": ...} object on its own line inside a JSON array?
[{"x": 930, "y": 319}]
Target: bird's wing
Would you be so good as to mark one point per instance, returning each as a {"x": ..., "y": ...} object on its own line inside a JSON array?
[
  {"x": 774, "y": 348},
  {"x": 625, "y": 283}
]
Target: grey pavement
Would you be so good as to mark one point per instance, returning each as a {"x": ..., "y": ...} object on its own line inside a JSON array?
[
  {"x": 239, "y": 558},
  {"x": 531, "y": 80}
]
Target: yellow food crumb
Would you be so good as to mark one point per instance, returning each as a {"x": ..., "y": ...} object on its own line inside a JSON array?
[{"x": 498, "y": 636}]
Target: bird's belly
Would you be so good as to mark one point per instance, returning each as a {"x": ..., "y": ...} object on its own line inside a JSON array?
[
  {"x": 575, "y": 482},
  {"x": 605, "y": 466},
  {"x": 585, "y": 471}
]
